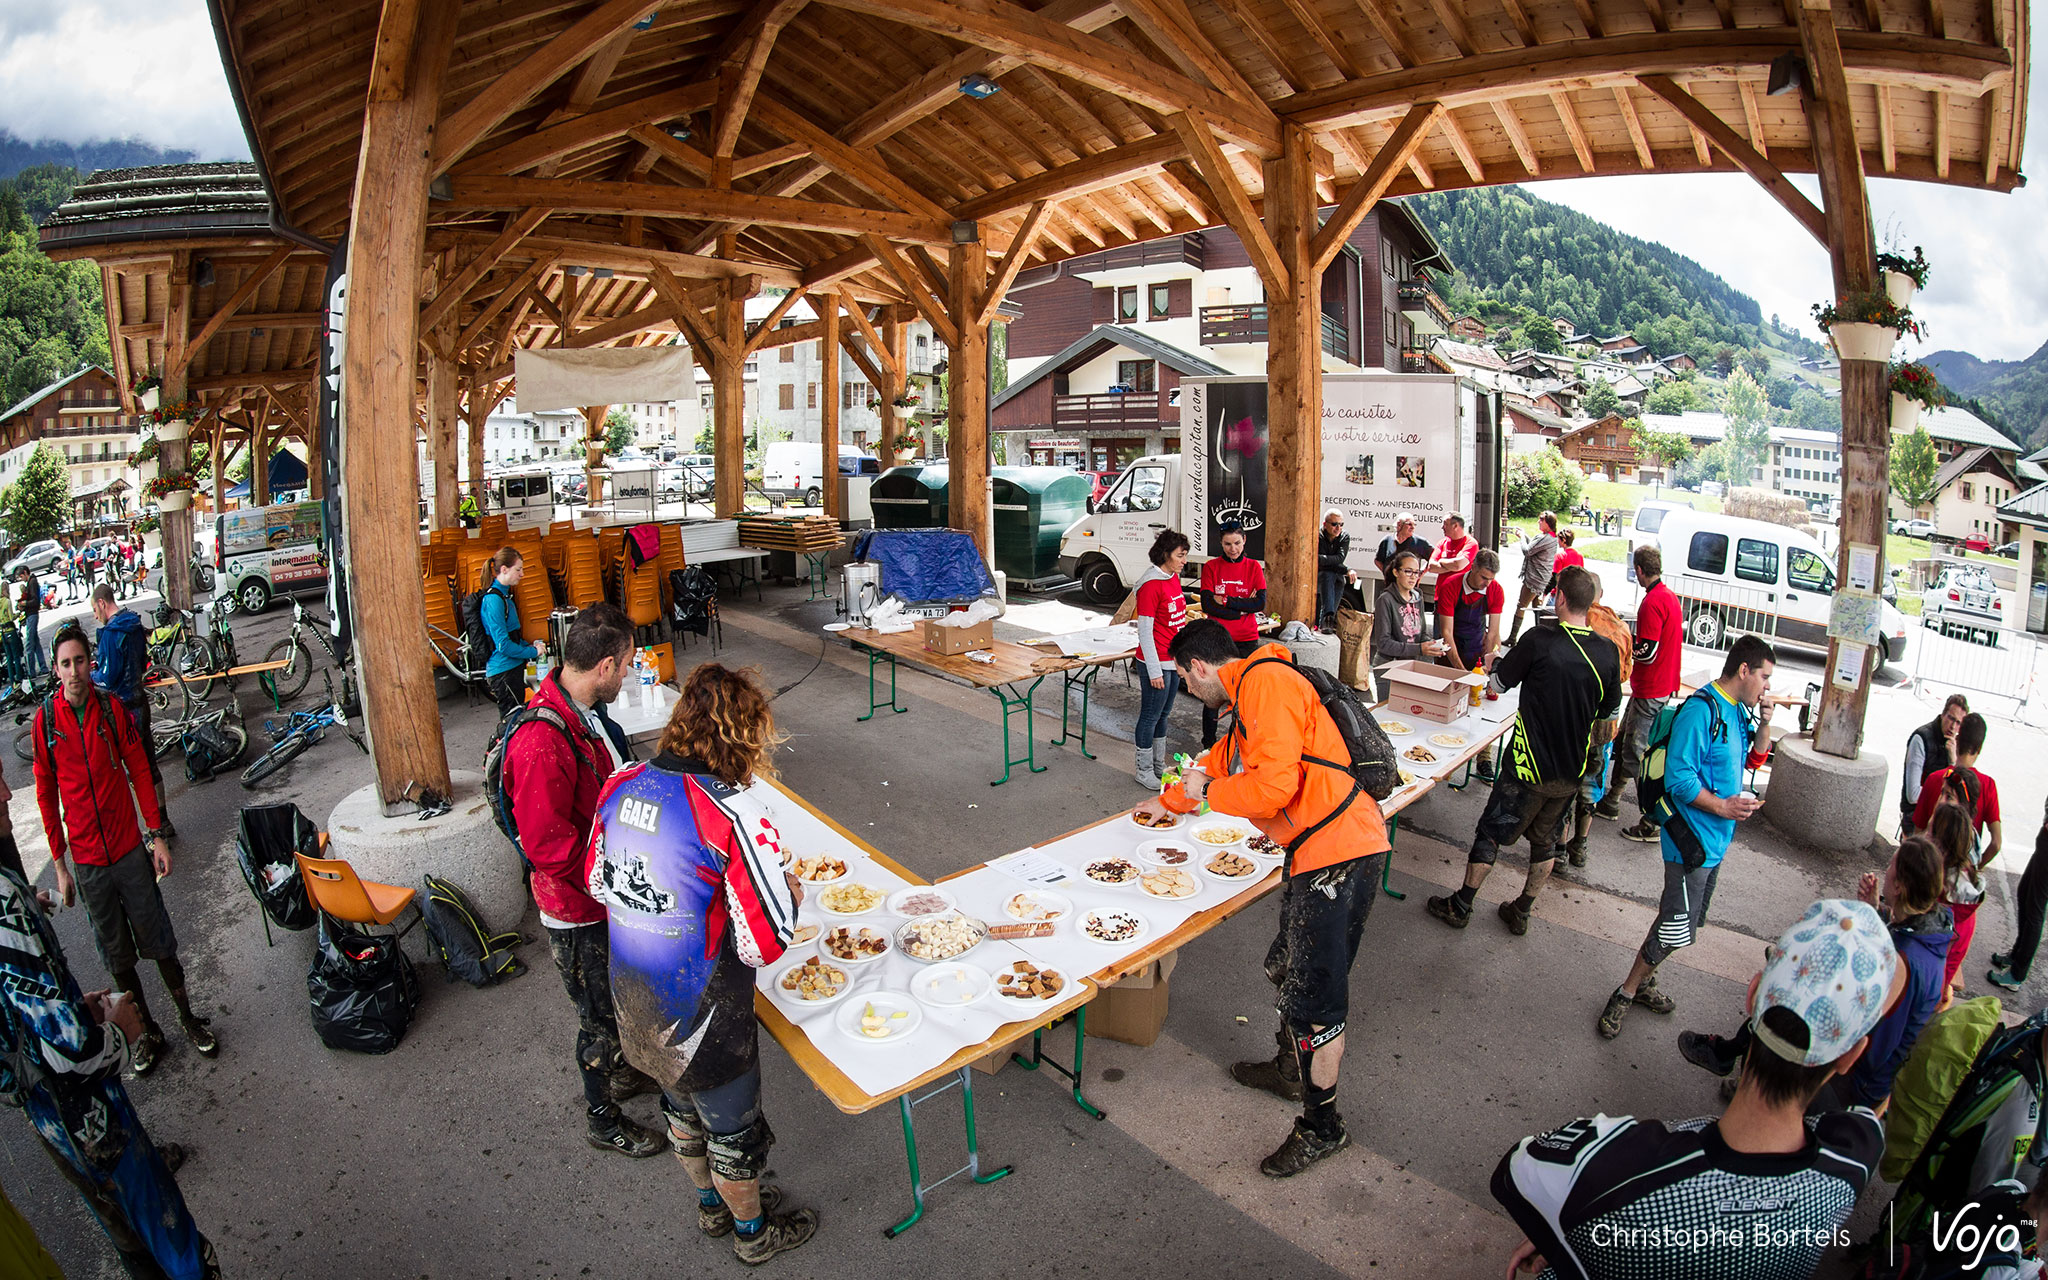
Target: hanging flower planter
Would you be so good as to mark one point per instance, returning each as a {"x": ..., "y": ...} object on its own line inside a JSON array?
[
  {"x": 1864, "y": 326},
  {"x": 1862, "y": 341},
  {"x": 1913, "y": 386},
  {"x": 177, "y": 500},
  {"x": 147, "y": 390},
  {"x": 1905, "y": 414},
  {"x": 1903, "y": 276},
  {"x": 1899, "y": 287},
  {"x": 148, "y": 469},
  {"x": 172, "y": 429},
  {"x": 171, "y": 492}
]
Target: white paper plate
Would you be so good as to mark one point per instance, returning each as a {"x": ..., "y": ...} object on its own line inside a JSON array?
[
  {"x": 1067, "y": 981},
  {"x": 1389, "y": 727},
  {"x": 1194, "y": 877},
  {"x": 1220, "y": 822},
  {"x": 828, "y": 909},
  {"x": 1151, "y": 853},
  {"x": 828, "y": 954},
  {"x": 1143, "y": 930},
  {"x": 1180, "y": 823},
  {"x": 1276, "y": 855},
  {"x": 1258, "y": 870},
  {"x": 901, "y": 939},
  {"x": 887, "y": 1004},
  {"x": 836, "y": 627},
  {"x": 1045, "y": 898},
  {"x": 790, "y": 866},
  {"x": 951, "y": 985},
  {"x": 901, "y": 896},
  {"x": 1131, "y": 883},
  {"x": 797, "y": 1000}
]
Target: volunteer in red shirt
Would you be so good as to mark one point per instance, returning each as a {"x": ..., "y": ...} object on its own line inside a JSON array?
[
  {"x": 1568, "y": 556},
  {"x": 1233, "y": 593},
  {"x": 1162, "y": 608},
  {"x": 1454, "y": 554},
  {"x": 1468, "y": 609},
  {"x": 1660, "y": 647},
  {"x": 92, "y": 773}
]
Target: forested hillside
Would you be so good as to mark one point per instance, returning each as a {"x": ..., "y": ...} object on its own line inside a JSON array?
[
  {"x": 2011, "y": 393},
  {"x": 52, "y": 318},
  {"x": 1514, "y": 252}
]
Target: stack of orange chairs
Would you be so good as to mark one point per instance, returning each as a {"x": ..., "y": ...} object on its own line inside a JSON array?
[
  {"x": 493, "y": 529},
  {"x": 671, "y": 559},
  {"x": 640, "y": 591},
  {"x": 533, "y": 596},
  {"x": 440, "y": 610},
  {"x": 583, "y": 581}
]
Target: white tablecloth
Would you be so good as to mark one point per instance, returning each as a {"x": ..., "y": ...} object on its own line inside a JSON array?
[{"x": 1477, "y": 726}]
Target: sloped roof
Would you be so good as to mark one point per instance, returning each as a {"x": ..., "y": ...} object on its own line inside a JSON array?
[
  {"x": 2031, "y": 506},
  {"x": 56, "y": 386},
  {"x": 1102, "y": 338},
  {"x": 1952, "y": 422},
  {"x": 1969, "y": 461},
  {"x": 162, "y": 202},
  {"x": 1470, "y": 353}
]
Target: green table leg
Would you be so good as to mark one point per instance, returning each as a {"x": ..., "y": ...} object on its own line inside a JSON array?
[
  {"x": 1012, "y": 703},
  {"x": 1038, "y": 1059},
  {"x": 918, "y": 1187},
  {"x": 1387, "y": 867},
  {"x": 875, "y": 656},
  {"x": 1069, "y": 678},
  {"x": 815, "y": 560},
  {"x": 1492, "y": 750}
]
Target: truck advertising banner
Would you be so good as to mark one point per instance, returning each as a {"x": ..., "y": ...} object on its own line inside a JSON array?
[{"x": 1391, "y": 444}]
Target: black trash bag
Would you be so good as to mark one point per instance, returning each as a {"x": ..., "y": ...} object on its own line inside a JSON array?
[
  {"x": 692, "y": 594},
  {"x": 268, "y": 837},
  {"x": 363, "y": 989}
]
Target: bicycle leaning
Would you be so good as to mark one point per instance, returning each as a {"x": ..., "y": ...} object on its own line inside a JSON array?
[
  {"x": 291, "y": 679},
  {"x": 298, "y": 732}
]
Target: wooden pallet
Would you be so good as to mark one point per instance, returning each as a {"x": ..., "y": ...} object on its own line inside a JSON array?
[{"x": 802, "y": 534}]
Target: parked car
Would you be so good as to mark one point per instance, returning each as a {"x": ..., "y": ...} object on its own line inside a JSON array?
[
  {"x": 1102, "y": 480},
  {"x": 2010, "y": 550},
  {"x": 1964, "y": 599},
  {"x": 36, "y": 557},
  {"x": 1913, "y": 528},
  {"x": 1976, "y": 544}
]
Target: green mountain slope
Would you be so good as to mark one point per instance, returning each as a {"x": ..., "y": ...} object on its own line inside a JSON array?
[
  {"x": 52, "y": 318},
  {"x": 2012, "y": 393},
  {"x": 1515, "y": 252},
  {"x": 17, "y": 154}
]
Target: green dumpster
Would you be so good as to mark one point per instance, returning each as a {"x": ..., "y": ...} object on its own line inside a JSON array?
[
  {"x": 910, "y": 498},
  {"x": 1033, "y": 507}
]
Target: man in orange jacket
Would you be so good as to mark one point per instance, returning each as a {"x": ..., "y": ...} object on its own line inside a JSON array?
[{"x": 1282, "y": 766}]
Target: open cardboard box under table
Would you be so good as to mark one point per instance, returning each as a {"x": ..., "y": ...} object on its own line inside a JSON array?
[
  {"x": 1429, "y": 690},
  {"x": 1132, "y": 1011},
  {"x": 959, "y": 639}
]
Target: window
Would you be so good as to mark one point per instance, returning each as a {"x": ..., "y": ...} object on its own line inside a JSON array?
[
  {"x": 1966, "y": 491},
  {"x": 1708, "y": 553},
  {"x": 785, "y": 396},
  {"x": 1808, "y": 572},
  {"x": 1756, "y": 560},
  {"x": 1137, "y": 375},
  {"x": 810, "y": 395},
  {"x": 1160, "y": 295},
  {"x": 1127, "y": 304},
  {"x": 788, "y": 355}
]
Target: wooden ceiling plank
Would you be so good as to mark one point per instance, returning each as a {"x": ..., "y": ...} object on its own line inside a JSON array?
[
  {"x": 1359, "y": 199},
  {"x": 1390, "y": 32},
  {"x": 1837, "y": 159},
  {"x": 1186, "y": 45},
  {"x": 1589, "y": 17},
  {"x": 1277, "y": 55},
  {"x": 1994, "y": 106},
  {"x": 1636, "y": 136},
  {"x": 582, "y": 131},
  {"x": 1887, "y": 145},
  {"x": 674, "y": 150},
  {"x": 591, "y": 78},
  {"x": 664, "y": 200},
  {"x": 684, "y": 310},
  {"x": 759, "y": 333},
  {"x": 1103, "y": 169},
  {"x": 1462, "y": 147},
  {"x": 1237, "y": 210},
  {"x": 1752, "y": 116},
  {"x": 880, "y": 349},
  {"x": 1424, "y": 175},
  {"x": 928, "y": 268},
  {"x": 1561, "y": 101},
  {"x": 1454, "y": 26},
  {"x": 466, "y": 126},
  {"x": 1941, "y": 138},
  {"x": 864, "y": 167},
  {"x": 1937, "y": 19},
  {"x": 391, "y": 56},
  {"x": 448, "y": 296},
  {"x": 243, "y": 292},
  {"x": 1322, "y": 38},
  {"x": 762, "y": 161},
  {"x": 739, "y": 77},
  {"x": 1658, "y": 18},
  {"x": 1518, "y": 136},
  {"x": 1525, "y": 30},
  {"x": 1872, "y": 19},
  {"x": 1745, "y": 157},
  {"x": 914, "y": 288},
  {"x": 523, "y": 287}
]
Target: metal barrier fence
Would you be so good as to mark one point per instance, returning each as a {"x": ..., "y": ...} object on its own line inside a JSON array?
[
  {"x": 1717, "y": 612},
  {"x": 2002, "y": 661}
]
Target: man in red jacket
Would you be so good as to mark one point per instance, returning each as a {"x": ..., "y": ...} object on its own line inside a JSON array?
[
  {"x": 92, "y": 772},
  {"x": 555, "y": 765}
]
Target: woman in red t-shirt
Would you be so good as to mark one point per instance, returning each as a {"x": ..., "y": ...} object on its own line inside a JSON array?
[
  {"x": 1161, "y": 609},
  {"x": 1567, "y": 556}
]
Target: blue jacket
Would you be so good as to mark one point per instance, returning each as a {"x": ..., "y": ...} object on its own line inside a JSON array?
[
  {"x": 1709, "y": 745},
  {"x": 1922, "y": 942},
  {"x": 122, "y": 656},
  {"x": 501, "y": 621}
]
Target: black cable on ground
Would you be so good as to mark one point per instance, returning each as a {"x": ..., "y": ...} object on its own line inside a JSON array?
[{"x": 822, "y": 642}]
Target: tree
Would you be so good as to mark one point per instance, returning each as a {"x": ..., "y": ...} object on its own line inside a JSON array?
[
  {"x": 1812, "y": 411},
  {"x": 1749, "y": 425},
  {"x": 1666, "y": 447},
  {"x": 619, "y": 430},
  {"x": 1539, "y": 334},
  {"x": 1710, "y": 463},
  {"x": 1675, "y": 396},
  {"x": 1600, "y": 399},
  {"x": 1541, "y": 481},
  {"x": 1913, "y": 465},
  {"x": 704, "y": 441},
  {"x": 40, "y": 500}
]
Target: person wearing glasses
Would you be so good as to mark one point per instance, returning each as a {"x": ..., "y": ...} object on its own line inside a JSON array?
[
  {"x": 1333, "y": 572},
  {"x": 1400, "y": 618}
]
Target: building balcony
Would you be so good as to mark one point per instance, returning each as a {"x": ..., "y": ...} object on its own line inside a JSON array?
[
  {"x": 89, "y": 406},
  {"x": 1418, "y": 297},
  {"x": 1336, "y": 338},
  {"x": 75, "y": 432},
  {"x": 1415, "y": 359},
  {"x": 1136, "y": 410},
  {"x": 1182, "y": 250},
  {"x": 1239, "y": 324}
]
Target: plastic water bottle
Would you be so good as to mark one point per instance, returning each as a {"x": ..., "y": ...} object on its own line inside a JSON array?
[{"x": 647, "y": 678}]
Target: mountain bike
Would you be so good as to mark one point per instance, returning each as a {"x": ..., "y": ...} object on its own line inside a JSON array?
[
  {"x": 171, "y": 705},
  {"x": 299, "y": 731},
  {"x": 202, "y": 657},
  {"x": 290, "y": 680}
]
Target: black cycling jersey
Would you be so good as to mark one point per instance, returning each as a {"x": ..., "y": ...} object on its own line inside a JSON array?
[
  {"x": 1615, "y": 1198},
  {"x": 1569, "y": 677}
]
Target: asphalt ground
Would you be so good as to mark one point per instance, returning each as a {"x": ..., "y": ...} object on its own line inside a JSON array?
[{"x": 461, "y": 1153}]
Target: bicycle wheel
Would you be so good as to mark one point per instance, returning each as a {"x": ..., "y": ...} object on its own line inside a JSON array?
[
  {"x": 25, "y": 741},
  {"x": 170, "y": 696},
  {"x": 276, "y": 758},
  {"x": 291, "y": 679},
  {"x": 193, "y": 661}
]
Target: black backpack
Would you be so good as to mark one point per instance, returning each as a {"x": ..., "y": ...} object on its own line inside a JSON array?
[
  {"x": 1373, "y": 767},
  {"x": 468, "y": 950},
  {"x": 494, "y": 767},
  {"x": 209, "y": 750},
  {"x": 481, "y": 647}
]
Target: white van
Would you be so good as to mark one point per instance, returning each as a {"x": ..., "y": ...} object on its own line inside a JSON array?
[
  {"x": 1739, "y": 575},
  {"x": 526, "y": 498},
  {"x": 264, "y": 552},
  {"x": 796, "y": 469}
]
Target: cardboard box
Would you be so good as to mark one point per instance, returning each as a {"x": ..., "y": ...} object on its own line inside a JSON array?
[
  {"x": 1428, "y": 690},
  {"x": 959, "y": 639},
  {"x": 1152, "y": 974},
  {"x": 1132, "y": 1015}
]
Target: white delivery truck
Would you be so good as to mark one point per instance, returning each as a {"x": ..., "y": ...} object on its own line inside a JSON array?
[
  {"x": 795, "y": 469},
  {"x": 261, "y": 553},
  {"x": 1427, "y": 444}
]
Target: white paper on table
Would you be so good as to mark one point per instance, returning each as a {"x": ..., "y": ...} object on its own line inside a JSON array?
[
  {"x": 1031, "y": 866},
  {"x": 1097, "y": 642}
]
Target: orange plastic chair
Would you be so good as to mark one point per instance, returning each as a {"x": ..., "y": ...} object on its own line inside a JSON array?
[{"x": 336, "y": 890}]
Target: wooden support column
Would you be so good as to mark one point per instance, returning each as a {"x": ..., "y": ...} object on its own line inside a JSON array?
[
  {"x": 729, "y": 400},
  {"x": 259, "y": 455},
  {"x": 894, "y": 381},
  {"x": 443, "y": 438},
  {"x": 967, "y": 397},
  {"x": 1294, "y": 382},
  {"x": 1866, "y": 400},
  {"x": 220, "y": 468},
  {"x": 474, "y": 442},
  {"x": 827, "y": 307},
  {"x": 387, "y": 240},
  {"x": 593, "y": 452},
  {"x": 176, "y": 455}
]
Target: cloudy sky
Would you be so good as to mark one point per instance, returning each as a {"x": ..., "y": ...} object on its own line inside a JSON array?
[{"x": 149, "y": 69}]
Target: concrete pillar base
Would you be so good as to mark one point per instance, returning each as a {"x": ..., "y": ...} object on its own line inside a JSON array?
[
  {"x": 1824, "y": 801},
  {"x": 463, "y": 846}
]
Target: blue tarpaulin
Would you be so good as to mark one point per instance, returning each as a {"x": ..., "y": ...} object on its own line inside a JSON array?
[
  {"x": 927, "y": 566},
  {"x": 286, "y": 472}
]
